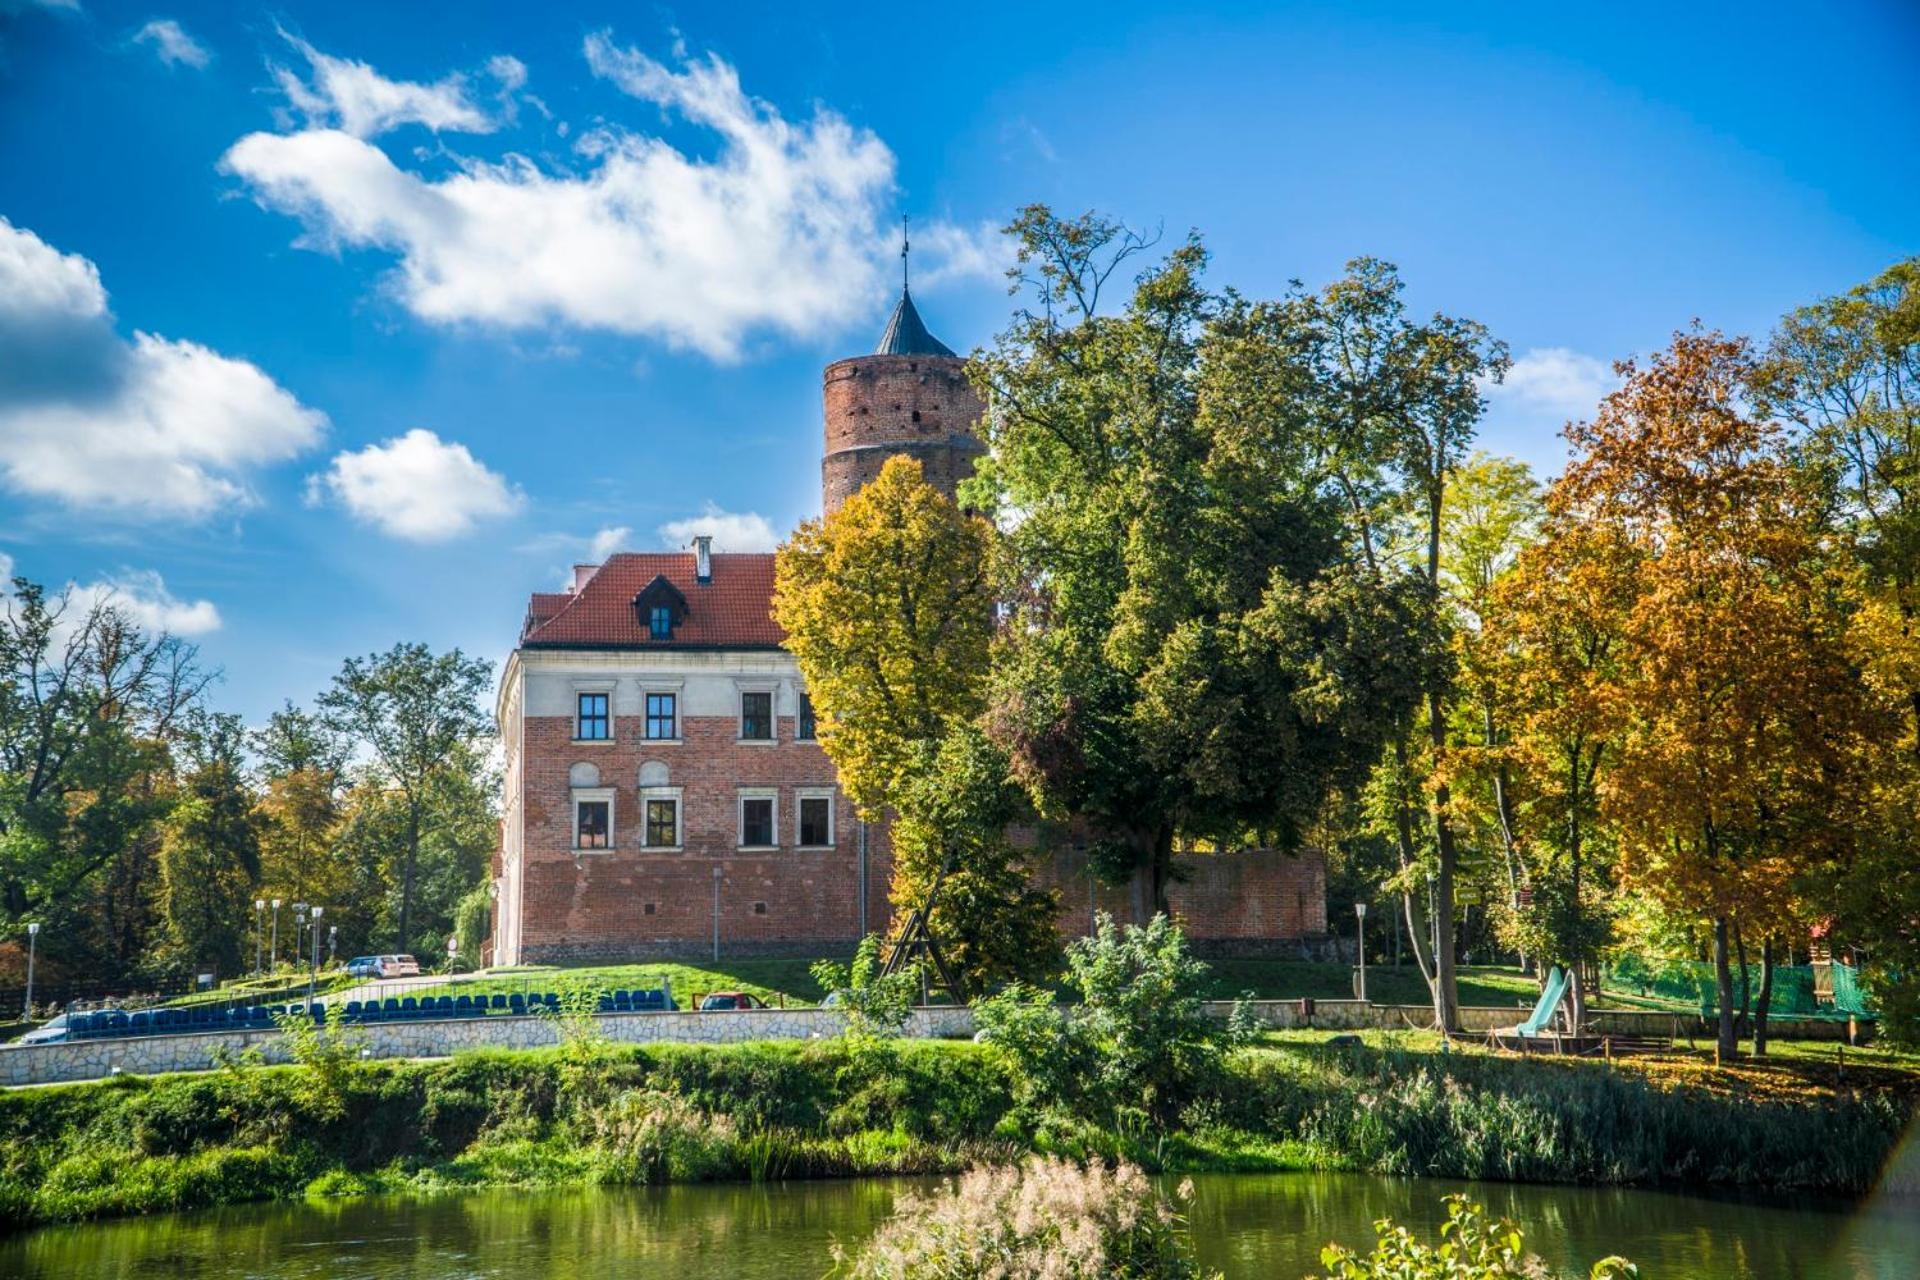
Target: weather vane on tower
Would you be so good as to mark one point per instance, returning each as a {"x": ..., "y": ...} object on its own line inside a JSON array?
[{"x": 905, "y": 244}]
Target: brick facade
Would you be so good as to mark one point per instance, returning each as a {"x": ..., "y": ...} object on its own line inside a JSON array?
[{"x": 877, "y": 406}]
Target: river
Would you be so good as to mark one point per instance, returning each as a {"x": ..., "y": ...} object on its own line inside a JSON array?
[{"x": 1247, "y": 1225}]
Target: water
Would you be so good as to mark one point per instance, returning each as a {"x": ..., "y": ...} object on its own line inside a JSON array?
[{"x": 1265, "y": 1226}]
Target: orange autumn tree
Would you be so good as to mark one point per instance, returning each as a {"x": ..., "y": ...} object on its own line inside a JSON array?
[{"x": 1732, "y": 693}]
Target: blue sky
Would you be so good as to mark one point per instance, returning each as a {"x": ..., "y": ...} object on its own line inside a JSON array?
[{"x": 326, "y": 326}]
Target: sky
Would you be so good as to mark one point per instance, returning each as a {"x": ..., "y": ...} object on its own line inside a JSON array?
[{"x": 327, "y": 326}]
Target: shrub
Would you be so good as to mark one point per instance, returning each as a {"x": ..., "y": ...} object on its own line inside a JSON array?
[
  {"x": 646, "y": 1136},
  {"x": 876, "y": 1005},
  {"x": 1047, "y": 1219},
  {"x": 1471, "y": 1248},
  {"x": 329, "y": 1050},
  {"x": 1139, "y": 1040}
]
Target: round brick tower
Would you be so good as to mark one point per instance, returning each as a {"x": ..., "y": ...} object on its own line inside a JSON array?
[{"x": 910, "y": 396}]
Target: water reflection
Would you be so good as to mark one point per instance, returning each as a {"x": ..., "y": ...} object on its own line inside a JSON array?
[{"x": 1249, "y": 1226}]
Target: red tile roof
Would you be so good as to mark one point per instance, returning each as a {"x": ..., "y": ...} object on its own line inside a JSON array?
[{"x": 734, "y": 611}]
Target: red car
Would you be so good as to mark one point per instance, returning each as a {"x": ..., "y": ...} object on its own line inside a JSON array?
[{"x": 729, "y": 1000}]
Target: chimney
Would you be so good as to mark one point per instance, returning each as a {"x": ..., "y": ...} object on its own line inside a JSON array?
[{"x": 703, "y": 558}]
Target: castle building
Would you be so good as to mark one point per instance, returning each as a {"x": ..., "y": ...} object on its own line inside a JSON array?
[{"x": 664, "y": 794}]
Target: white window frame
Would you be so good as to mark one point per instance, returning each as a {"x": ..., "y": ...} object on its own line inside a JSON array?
[
  {"x": 771, "y": 794},
  {"x": 800, "y": 797},
  {"x": 594, "y": 795},
  {"x": 608, "y": 688},
  {"x": 772, "y": 689},
  {"x": 676, "y": 688},
  {"x": 679, "y": 818}
]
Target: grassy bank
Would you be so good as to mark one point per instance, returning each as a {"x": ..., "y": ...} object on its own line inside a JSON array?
[{"x": 681, "y": 1113}]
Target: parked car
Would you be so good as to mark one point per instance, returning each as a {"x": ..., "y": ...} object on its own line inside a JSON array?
[
  {"x": 395, "y": 967},
  {"x": 363, "y": 967},
  {"x": 729, "y": 1000}
]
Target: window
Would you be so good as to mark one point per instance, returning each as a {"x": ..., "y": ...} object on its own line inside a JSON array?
[
  {"x": 756, "y": 821},
  {"x": 663, "y": 824},
  {"x": 662, "y": 717},
  {"x": 592, "y": 824},
  {"x": 816, "y": 822},
  {"x": 756, "y": 716},
  {"x": 660, "y": 622},
  {"x": 594, "y": 725},
  {"x": 803, "y": 723}
]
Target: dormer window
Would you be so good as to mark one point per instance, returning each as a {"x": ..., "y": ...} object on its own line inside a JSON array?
[{"x": 660, "y": 608}]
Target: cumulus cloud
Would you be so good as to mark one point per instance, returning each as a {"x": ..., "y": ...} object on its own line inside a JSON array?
[
  {"x": 172, "y": 45},
  {"x": 945, "y": 253},
  {"x": 416, "y": 486},
  {"x": 140, "y": 595},
  {"x": 155, "y": 427},
  {"x": 778, "y": 230},
  {"x": 731, "y": 530},
  {"x": 1557, "y": 381},
  {"x": 357, "y": 100}
]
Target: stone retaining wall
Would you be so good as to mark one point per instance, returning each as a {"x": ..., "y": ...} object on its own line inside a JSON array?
[{"x": 145, "y": 1055}]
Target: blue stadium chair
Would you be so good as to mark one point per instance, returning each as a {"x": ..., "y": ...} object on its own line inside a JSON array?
[
  {"x": 353, "y": 1009},
  {"x": 116, "y": 1022},
  {"x": 141, "y": 1023},
  {"x": 516, "y": 1004},
  {"x": 392, "y": 1006},
  {"x": 499, "y": 1001},
  {"x": 463, "y": 1006},
  {"x": 409, "y": 1005},
  {"x": 258, "y": 1017}
]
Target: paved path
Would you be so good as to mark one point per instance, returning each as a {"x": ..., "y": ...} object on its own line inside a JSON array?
[{"x": 381, "y": 988}]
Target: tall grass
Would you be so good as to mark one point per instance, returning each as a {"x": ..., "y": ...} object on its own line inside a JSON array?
[{"x": 630, "y": 1114}]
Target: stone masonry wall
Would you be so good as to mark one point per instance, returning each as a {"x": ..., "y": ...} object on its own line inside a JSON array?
[{"x": 877, "y": 406}]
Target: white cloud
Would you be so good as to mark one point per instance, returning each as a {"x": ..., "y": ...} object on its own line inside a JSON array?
[
  {"x": 607, "y": 541},
  {"x": 140, "y": 595},
  {"x": 155, "y": 427},
  {"x": 731, "y": 530},
  {"x": 944, "y": 253},
  {"x": 172, "y": 45},
  {"x": 416, "y": 486},
  {"x": 1556, "y": 380},
  {"x": 778, "y": 230},
  {"x": 354, "y": 98}
]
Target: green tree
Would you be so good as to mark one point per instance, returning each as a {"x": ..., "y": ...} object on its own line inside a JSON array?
[
  {"x": 1192, "y": 650},
  {"x": 419, "y": 717},
  {"x": 90, "y": 706},
  {"x": 209, "y": 854},
  {"x": 302, "y": 763}
]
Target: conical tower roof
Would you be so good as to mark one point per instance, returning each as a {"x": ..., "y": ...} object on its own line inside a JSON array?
[{"x": 906, "y": 334}]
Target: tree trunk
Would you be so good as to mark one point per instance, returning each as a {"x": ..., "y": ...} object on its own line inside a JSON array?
[
  {"x": 406, "y": 874},
  {"x": 1160, "y": 870},
  {"x": 1765, "y": 1002},
  {"x": 1446, "y": 993},
  {"x": 1742, "y": 1023},
  {"x": 1723, "y": 980},
  {"x": 1403, "y": 833}
]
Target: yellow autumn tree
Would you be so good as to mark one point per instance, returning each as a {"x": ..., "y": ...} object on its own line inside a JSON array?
[
  {"x": 888, "y": 608},
  {"x": 1734, "y": 696}
]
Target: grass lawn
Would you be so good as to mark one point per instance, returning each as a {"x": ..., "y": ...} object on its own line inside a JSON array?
[{"x": 776, "y": 981}]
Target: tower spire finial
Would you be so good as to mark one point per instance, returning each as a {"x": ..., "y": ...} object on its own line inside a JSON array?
[{"x": 905, "y": 244}]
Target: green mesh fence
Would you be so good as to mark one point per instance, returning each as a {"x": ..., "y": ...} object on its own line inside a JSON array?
[{"x": 1799, "y": 991}]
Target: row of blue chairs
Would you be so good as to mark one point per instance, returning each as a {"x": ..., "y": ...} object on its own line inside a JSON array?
[{"x": 118, "y": 1022}]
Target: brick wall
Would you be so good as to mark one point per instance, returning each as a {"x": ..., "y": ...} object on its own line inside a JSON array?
[
  {"x": 632, "y": 902},
  {"x": 877, "y": 406}
]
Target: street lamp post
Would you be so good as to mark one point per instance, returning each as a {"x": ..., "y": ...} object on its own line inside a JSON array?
[
  {"x": 333, "y": 943},
  {"x": 259, "y": 933},
  {"x": 1360, "y": 938},
  {"x": 299, "y": 924},
  {"x": 274, "y": 950},
  {"x": 313, "y": 975},
  {"x": 33, "y": 943}
]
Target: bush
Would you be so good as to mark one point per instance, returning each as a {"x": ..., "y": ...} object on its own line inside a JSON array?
[
  {"x": 645, "y": 1136},
  {"x": 1047, "y": 1219},
  {"x": 1137, "y": 1044},
  {"x": 1471, "y": 1248}
]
